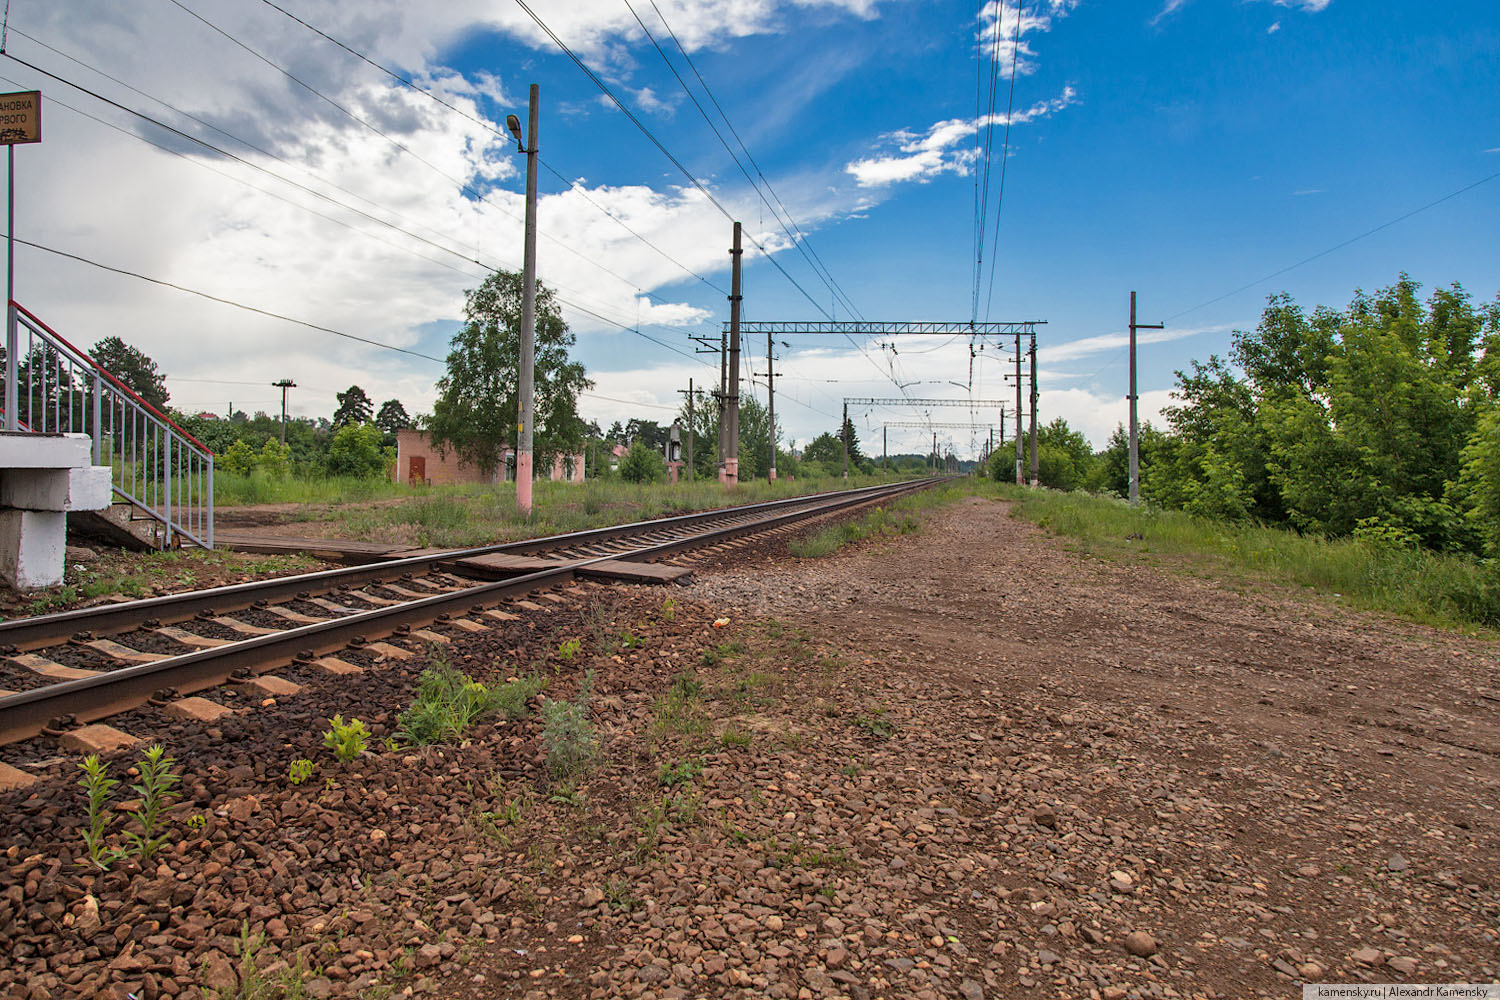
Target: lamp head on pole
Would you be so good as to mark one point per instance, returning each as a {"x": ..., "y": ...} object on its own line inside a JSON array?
[{"x": 514, "y": 124}]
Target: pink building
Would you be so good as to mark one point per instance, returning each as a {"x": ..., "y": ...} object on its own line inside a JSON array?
[{"x": 419, "y": 462}]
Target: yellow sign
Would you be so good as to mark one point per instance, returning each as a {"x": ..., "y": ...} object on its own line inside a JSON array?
[{"x": 20, "y": 117}]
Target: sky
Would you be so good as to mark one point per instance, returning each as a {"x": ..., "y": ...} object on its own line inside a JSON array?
[{"x": 1183, "y": 149}]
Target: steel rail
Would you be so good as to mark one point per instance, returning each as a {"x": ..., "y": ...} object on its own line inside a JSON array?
[
  {"x": 29, "y": 713},
  {"x": 35, "y": 633}
]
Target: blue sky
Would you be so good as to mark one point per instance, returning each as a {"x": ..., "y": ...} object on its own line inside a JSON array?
[{"x": 1182, "y": 150}]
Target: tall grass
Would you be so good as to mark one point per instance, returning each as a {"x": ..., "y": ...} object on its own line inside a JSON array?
[
  {"x": 1429, "y": 587},
  {"x": 236, "y": 489},
  {"x": 479, "y": 514}
]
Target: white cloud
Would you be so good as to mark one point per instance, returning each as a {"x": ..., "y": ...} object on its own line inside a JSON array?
[
  {"x": 1308, "y": 191},
  {"x": 923, "y": 157},
  {"x": 1074, "y": 349},
  {"x": 1003, "y": 30},
  {"x": 1168, "y": 9},
  {"x": 1275, "y": 27},
  {"x": 95, "y": 192}
]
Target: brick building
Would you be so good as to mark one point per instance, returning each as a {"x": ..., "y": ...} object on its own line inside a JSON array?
[{"x": 418, "y": 461}]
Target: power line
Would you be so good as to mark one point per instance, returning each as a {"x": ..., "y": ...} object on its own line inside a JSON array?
[
  {"x": 325, "y": 197},
  {"x": 1010, "y": 107},
  {"x": 824, "y": 275},
  {"x": 604, "y": 88},
  {"x": 463, "y": 186},
  {"x": 406, "y": 82},
  {"x": 224, "y": 301},
  {"x": 1324, "y": 253}
]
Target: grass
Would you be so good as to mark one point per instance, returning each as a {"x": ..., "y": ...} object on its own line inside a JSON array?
[
  {"x": 457, "y": 516},
  {"x": 1450, "y": 591},
  {"x": 448, "y": 702},
  {"x": 899, "y": 518}
]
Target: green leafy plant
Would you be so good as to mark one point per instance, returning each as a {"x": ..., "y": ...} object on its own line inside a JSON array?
[
  {"x": 567, "y": 733},
  {"x": 347, "y": 740},
  {"x": 97, "y": 784},
  {"x": 876, "y": 724},
  {"x": 568, "y": 648},
  {"x": 564, "y": 794},
  {"x": 448, "y": 702},
  {"x": 732, "y": 737},
  {"x": 196, "y": 822},
  {"x": 630, "y": 640},
  {"x": 680, "y": 773},
  {"x": 155, "y": 790},
  {"x": 669, "y": 609},
  {"x": 300, "y": 770}
]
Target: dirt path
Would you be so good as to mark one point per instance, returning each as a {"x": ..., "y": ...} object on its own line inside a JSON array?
[
  {"x": 1289, "y": 791},
  {"x": 961, "y": 763}
]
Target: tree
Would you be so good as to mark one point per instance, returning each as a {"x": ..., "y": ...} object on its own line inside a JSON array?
[
  {"x": 851, "y": 439},
  {"x": 643, "y": 464},
  {"x": 356, "y": 452},
  {"x": 825, "y": 449},
  {"x": 355, "y": 407},
  {"x": 476, "y": 413},
  {"x": 133, "y": 368},
  {"x": 392, "y": 417}
]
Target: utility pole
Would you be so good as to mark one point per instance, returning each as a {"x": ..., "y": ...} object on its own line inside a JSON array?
[
  {"x": 1020, "y": 431},
  {"x": 1035, "y": 479},
  {"x": 1135, "y": 445},
  {"x": 527, "y": 393},
  {"x": 771, "y": 404},
  {"x": 885, "y": 437},
  {"x": 732, "y": 434},
  {"x": 284, "y": 385},
  {"x": 934, "y": 453},
  {"x": 844, "y": 436},
  {"x": 723, "y": 398},
  {"x": 692, "y": 430}
]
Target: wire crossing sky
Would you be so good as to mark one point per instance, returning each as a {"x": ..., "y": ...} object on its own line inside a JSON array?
[{"x": 327, "y": 180}]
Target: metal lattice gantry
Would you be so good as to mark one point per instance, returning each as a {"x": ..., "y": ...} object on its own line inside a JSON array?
[{"x": 853, "y": 328}]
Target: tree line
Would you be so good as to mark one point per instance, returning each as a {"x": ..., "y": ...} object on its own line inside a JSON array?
[{"x": 1379, "y": 421}]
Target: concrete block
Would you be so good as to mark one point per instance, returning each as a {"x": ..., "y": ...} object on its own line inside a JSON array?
[
  {"x": 26, "y": 450},
  {"x": 334, "y": 665},
  {"x": 32, "y": 543},
  {"x": 11, "y": 777},
  {"x": 196, "y": 710},
  {"x": 270, "y": 686},
  {"x": 86, "y": 488},
  {"x": 97, "y": 738}
]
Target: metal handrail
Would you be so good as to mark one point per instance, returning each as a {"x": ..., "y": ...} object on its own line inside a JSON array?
[{"x": 156, "y": 465}]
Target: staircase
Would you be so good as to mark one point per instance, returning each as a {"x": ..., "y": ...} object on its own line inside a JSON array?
[{"x": 161, "y": 476}]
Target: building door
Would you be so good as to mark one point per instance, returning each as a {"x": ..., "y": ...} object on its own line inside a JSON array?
[{"x": 416, "y": 470}]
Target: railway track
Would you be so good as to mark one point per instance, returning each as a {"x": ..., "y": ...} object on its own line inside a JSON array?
[{"x": 84, "y": 665}]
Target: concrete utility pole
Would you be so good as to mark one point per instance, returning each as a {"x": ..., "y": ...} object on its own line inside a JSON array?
[
  {"x": 527, "y": 392},
  {"x": 844, "y": 436},
  {"x": 934, "y": 453},
  {"x": 1135, "y": 453},
  {"x": 771, "y": 405},
  {"x": 692, "y": 433},
  {"x": 284, "y": 385},
  {"x": 1020, "y": 431},
  {"x": 723, "y": 402},
  {"x": 732, "y": 433},
  {"x": 1035, "y": 479},
  {"x": 885, "y": 438}
]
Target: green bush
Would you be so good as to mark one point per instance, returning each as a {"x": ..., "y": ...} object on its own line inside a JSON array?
[
  {"x": 356, "y": 451},
  {"x": 448, "y": 702},
  {"x": 643, "y": 464}
]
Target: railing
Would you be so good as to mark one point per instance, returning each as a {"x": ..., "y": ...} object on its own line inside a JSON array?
[{"x": 160, "y": 469}]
